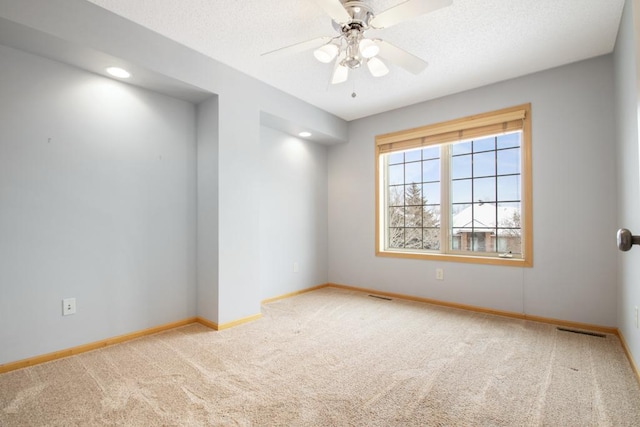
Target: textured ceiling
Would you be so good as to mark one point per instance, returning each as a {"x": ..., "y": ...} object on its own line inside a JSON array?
[{"x": 469, "y": 44}]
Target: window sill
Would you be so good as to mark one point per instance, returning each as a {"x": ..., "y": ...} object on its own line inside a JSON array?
[{"x": 469, "y": 259}]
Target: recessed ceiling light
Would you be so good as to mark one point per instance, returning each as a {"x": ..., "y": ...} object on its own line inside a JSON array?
[
  {"x": 304, "y": 134},
  {"x": 118, "y": 72}
]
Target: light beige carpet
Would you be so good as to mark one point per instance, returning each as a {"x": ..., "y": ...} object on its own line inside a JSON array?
[{"x": 336, "y": 358}]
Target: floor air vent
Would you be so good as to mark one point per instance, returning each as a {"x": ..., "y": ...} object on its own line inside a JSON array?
[
  {"x": 575, "y": 331},
  {"x": 379, "y": 297}
]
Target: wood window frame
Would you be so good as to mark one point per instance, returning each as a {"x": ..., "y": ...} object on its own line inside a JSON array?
[{"x": 475, "y": 126}]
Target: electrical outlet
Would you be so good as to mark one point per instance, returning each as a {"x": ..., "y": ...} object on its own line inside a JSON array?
[
  {"x": 637, "y": 325},
  {"x": 68, "y": 306},
  {"x": 439, "y": 274},
  {"x": 296, "y": 267}
]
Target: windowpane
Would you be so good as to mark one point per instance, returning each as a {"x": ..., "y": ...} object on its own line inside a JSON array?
[
  {"x": 461, "y": 148},
  {"x": 413, "y": 156},
  {"x": 509, "y": 221},
  {"x": 510, "y": 228},
  {"x": 395, "y": 158},
  {"x": 477, "y": 242},
  {"x": 396, "y": 217},
  {"x": 413, "y": 195},
  {"x": 475, "y": 227},
  {"x": 457, "y": 208},
  {"x": 431, "y": 170},
  {"x": 484, "y": 217},
  {"x": 431, "y": 238},
  {"x": 396, "y": 196},
  {"x": 461, "y": 242},
  {"x": 461, "y": 191},
  {"x": 431, "y": 152},
  {"x": 413, "y": 238},
  {"x": 413, "y": 216},
  {"x": 413, "y": 172},
  {"x": 431, "y": 192},
  {"x": 509, "y": 161},
  {"x": 509, "y": 188},
  {"x": 461, "y": 167},
  {"x": 484, "y": 164},
  {"x": 491, "y": 243},
  {"x": 484, "y": 189},
  {"x": 508, "y": 140},
  {"x": 479, "y": 179},
  {"x": 510, "y": 244},
  {"x": 463, "y": 231},
  {"x": 509, "y": 215},
  {"x": 396, "y": 238},
  {"x": 396, "y": 174},
  {"x": 431, "y": 216},
  {"x": 484, "y": 144},
  {"x": 456, "y": 241}
]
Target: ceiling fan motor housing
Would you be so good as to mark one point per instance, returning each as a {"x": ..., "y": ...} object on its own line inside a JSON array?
[
  {"x": 360, "y": 13},
  {"x": 353, "y": 31}
]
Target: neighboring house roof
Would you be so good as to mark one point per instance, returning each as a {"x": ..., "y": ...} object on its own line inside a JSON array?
[{"x": 482, "y": 218}]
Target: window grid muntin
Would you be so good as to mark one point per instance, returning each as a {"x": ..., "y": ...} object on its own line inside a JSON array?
[
  {"x": 495, "y": 230},
  {"x": 393, "y": 230},
  {"x": 446, "y": 243}
]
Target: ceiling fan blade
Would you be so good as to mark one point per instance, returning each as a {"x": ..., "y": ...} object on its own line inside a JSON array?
[
  {"x": 407, "y": 10},
  {"x": 298, "y": 47},
  {"x": 401, "y": 57},
  {"x": 335, "y": 10}
]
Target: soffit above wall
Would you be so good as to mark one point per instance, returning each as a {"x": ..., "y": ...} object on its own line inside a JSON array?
[{"x": 33, "y": 41}]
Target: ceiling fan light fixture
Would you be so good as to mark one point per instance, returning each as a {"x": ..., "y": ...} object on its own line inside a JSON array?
[
  {"x": 377, "y": 68},
  {"x": 349, "y": 49},
  {"x": 340, "y": 75},
  {"x": 326, "y": 53},
  {"x": 368, "y": 48}
]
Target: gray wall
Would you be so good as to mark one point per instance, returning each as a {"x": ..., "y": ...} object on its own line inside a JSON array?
[
  {"x": 293, "y": 213},
  {"x": 626, "y": 91},
  {"x": 574, "y": 202},
  {"x": 207, "y": 225},
  {"x": 241, "y": 99},
  {"x": 238, "y": 213},
  {"x": 97, "y": 202}
]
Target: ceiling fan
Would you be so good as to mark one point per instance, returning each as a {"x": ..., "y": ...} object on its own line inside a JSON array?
[{"x": 351, "y": 49}]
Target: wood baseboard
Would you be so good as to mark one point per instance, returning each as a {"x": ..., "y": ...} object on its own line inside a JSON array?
[
  {"x": 514, "y": 315},
  {"x": 36, "y": 360},
  {"x": 557, "y": 322},
  {"x": 219, "y": 327},
  {"x": 293, "y": 294},
  {"x": 625, "y": 347},
  {"x": 12, "y": 366},
  {"x": 207, "y": 323},
  {"x": 237, "y": 322}
]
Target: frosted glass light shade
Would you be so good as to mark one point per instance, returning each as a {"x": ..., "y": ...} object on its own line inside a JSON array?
[
  {"x": 377, "y": 67},
  {"x": 340, "y": 74},
  {"x": 368, "y": 48},
  {"x": 326, "y": 53}
]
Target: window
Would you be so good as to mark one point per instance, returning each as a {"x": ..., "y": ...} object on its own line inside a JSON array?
[{"x": 457, "y": 191}]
